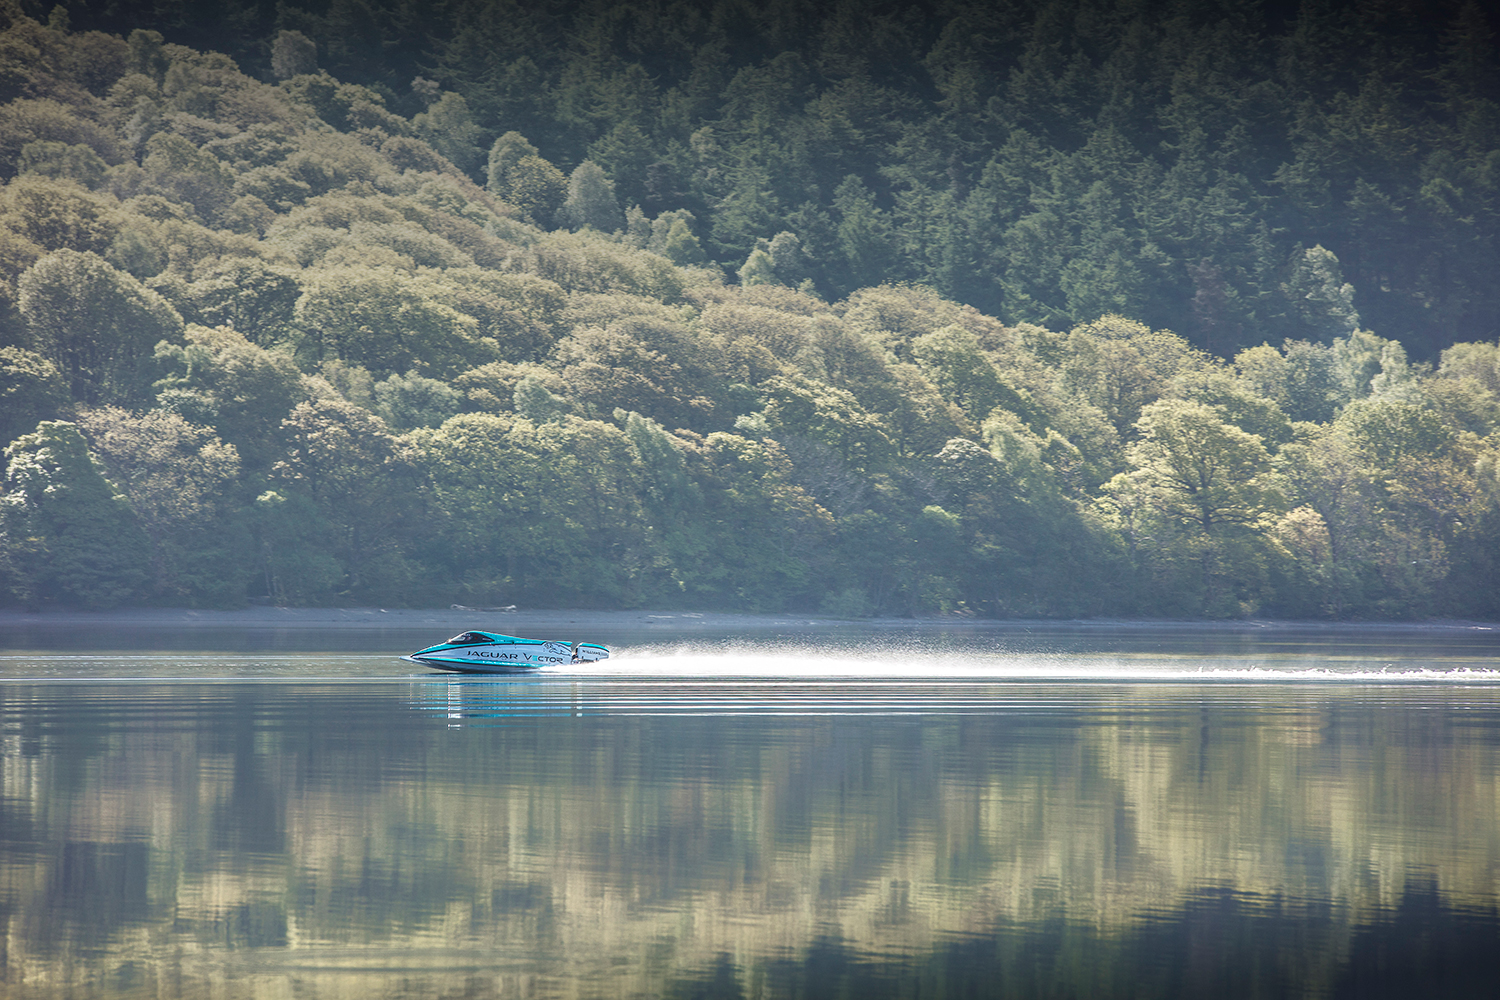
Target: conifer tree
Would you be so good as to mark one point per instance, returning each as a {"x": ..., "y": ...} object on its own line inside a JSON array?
[{"x": 293, "y": 54}]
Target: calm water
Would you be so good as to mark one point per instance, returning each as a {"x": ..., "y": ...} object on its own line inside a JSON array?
[{"x": 793, "y": 812}]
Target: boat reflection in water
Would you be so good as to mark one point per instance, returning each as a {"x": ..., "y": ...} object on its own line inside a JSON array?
[{"x": 649, "y": 833}]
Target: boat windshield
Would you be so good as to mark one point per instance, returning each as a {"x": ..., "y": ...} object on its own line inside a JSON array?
[{"x": 468, "y": 639}]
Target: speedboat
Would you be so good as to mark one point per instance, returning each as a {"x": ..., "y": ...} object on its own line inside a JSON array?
[{"x": 491, "y": 653}]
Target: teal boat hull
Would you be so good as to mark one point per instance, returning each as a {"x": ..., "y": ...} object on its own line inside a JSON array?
[{"x": 476, "y": 652}]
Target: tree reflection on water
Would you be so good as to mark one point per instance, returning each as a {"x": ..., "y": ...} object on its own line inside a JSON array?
[{"x": 582, "y": 838}]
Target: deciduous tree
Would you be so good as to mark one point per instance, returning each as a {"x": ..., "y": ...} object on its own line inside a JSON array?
[
  {"x": 179, "y": 479},
  {"x": 97, "y": 324},
  {"x": 71, "y": 537}
]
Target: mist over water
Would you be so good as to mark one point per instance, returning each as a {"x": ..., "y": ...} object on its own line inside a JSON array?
[
  {"x": 795, "y": 649},
  {"x": 804, "y": 810},
  {"x": 897, "y": 661}
]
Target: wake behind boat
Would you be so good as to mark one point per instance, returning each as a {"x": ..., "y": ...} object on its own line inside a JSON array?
[{"x": 492, "y": 653}]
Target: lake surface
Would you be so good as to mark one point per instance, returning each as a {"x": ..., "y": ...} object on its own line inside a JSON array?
[{"x": 792, "y": 810}]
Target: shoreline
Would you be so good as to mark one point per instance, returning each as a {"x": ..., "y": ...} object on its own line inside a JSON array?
[{"x": 537, "y": 620}]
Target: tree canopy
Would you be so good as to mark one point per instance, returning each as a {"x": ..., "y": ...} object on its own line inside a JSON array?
[{"x": 1056, "y": 309}]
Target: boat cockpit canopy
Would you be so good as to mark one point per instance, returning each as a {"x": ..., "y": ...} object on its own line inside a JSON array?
[{"x": 469, "y": 639}]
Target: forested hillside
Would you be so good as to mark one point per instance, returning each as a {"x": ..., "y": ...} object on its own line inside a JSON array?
[
  {"x": 905, "y": 309},
  {"x": 1046, "y": 161}
]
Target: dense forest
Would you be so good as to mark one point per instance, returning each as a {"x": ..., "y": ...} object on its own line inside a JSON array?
[
  {"x": 1045, "y": 161},
  {"x": 1056, "y": 308}
]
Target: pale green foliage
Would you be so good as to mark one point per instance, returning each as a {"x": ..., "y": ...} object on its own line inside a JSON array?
[
  {"x": 61, "y": 161},
  {"x": 244, "y": 391},
  {"x": 1320, "y": 296},
  {"x": 1467, "y": 387},
  {"x": 805, "y": 407},
  {"x": 762, "y": 338},
  {"x": 522, "y": 179},
  {"x": 671, "y": 502},
  {"x": 892, "y": 316},
  {"x": 788, "y": 259},
  {"x": 407, "y": 401},
  {"x": 758, "y": 269},
  {"x": 1236, "y": 402},
  {"x": 1018, "y": 451},
  {"x": 338, "y": 210},
  {"x": 518, "y": 175},
  {"x": 566, "y": 396},
  {"x": 327, "y": 161},
  {"x": 190, "y": 246},
  {"x": 49, "y": 59},
  {"x": 246, "y": 294},
  {"x": 210, "y": 87},
  {"x": 1122, "y": 366},
  {"x": 31, "y": 390},
  {"x": 571, "y": 524},
  {"x": 59, "y": 215},
  {"x": 293, "y": 54},
  {"x": 1477, "y": 362},
  {"x": 273, "y": 186},
  {"x": 508, "y": 150},
  {"x": 1000, "y": 524},
  {"x": 520, "y": 312},
  {"x": 1302, "y": 378},
  {"x": 71, "y": 536},
  {"x": 449, "y": 128},
  {"x": 387, "y": 321},
  {"x": 663, "y": 225},
  {"x": 1395, "y": 489},
  {"x": 534, "y": 401},
  {"x": 592, "y": 263},
  {"x": 591, "y": 201},
  {"x": 538, "y": 189},
  {"x": 178, "y": 478},
  {"x": 25, "y": 121},
  {"x": 140, "y": 251},
  {"x": 17, "y": 253},
  {"x": 361, "y": 479},
  {"x": 637, "y": 228},
  {"x": 408, "y": 154},
  {"x": 487, "y": 491},
  {"x": 491, "y": 388},
  {"x": 917, "y": 416},
  {"x": 681, "y": 245},
  {"x": 769, "y": 528},
  {"x": 1196, "y": 469},
  {"x": 642, "y": 363},
  {"x": 97, "y": 324},
  {"x": 416, "y": 246},
  {"x": 350, "y": 381},
  {"x": 953, "y": 359},
  {"x": 1263, "y": 369},
  {"x": 1365, "y": 364},
  {"x": 1197, "y": 502},
  {"x": 179, "y": 171}
]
